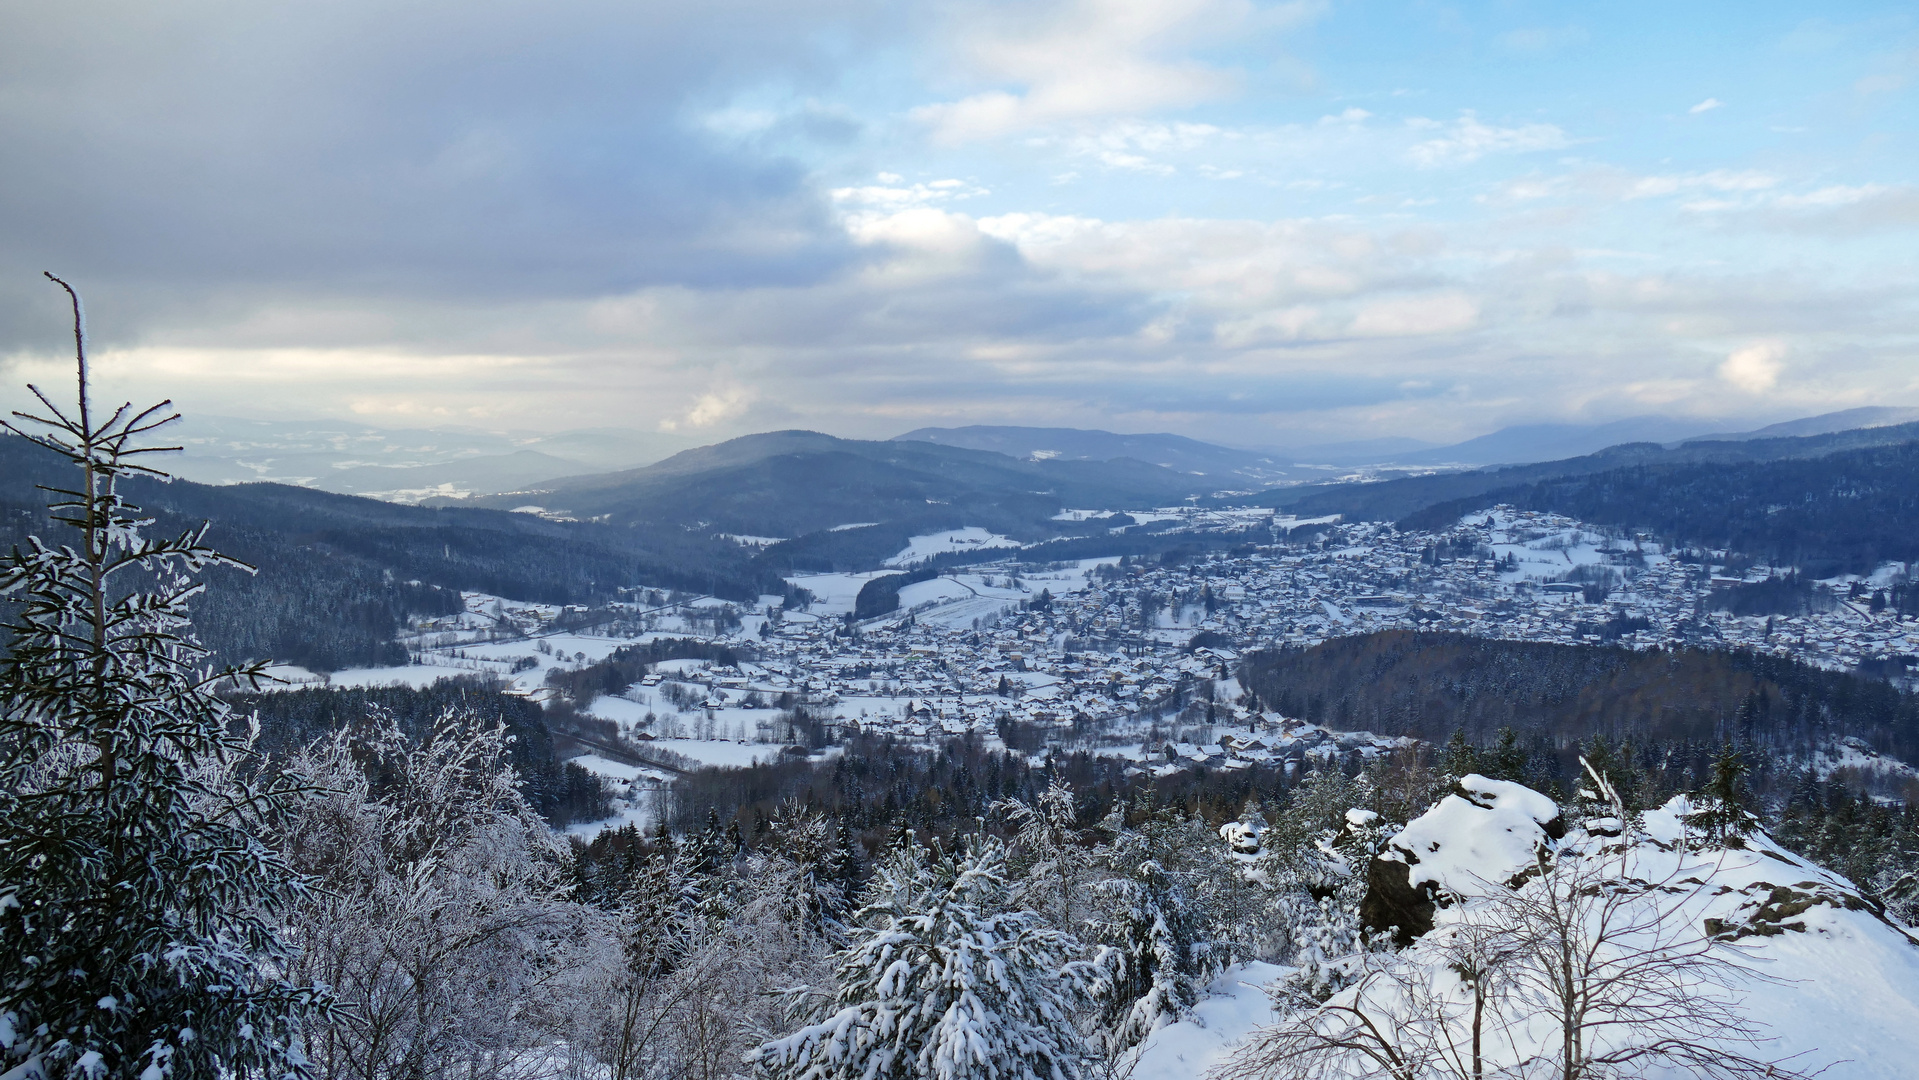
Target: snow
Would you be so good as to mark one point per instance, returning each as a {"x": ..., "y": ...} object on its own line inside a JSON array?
[
  {"x": 611, "y": 769},
  {"x": 833, "y": 594},
  {"x": 927, "y": 592},
  {"x": 1475, "y": 840},
  {"x": 624, "y": 816},
  {"x": 971, "y": 538},
  {"x": 1836, "y": 989},
  {"x": 414, "y": 675},
  {"x": 1235, "y": 1004},
  {"x": 725, "y": 752},
  {"x": 624, "y": 711}
]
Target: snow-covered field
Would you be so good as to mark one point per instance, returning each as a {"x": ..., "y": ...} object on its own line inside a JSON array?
[
  {"x": 1543, "y": 553},
  {"x": 833, "y": 594},
  {"x": 970, "y": 538}
]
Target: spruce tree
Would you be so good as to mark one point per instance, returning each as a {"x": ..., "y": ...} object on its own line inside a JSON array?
[
  {"x": 1724, "y": 817},
  {"x": 1459, "y": 757},
  {"x": 138, "y": 895},
  {"x": 941, "y": 982},
  {"x": 1161, "y": 944}
]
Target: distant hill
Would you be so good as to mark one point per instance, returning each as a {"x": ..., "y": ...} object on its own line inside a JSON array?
[
  {"x": 353, "y": 458},
  {"x": 1844, "y": 512},
  {"x": 799, "y": 483},
  {"x": 1547, "y": 442},
  {"x": 1397, "y": 499},
  {"x": 1871, "y": 416},
  {"x": 1361, "y": 451},
  {"x": 1528, "y": 443},
  {"x": 485, "y": 475},
  {"x": 337, "y": 573},
  {"x": 1176, "y": 452}
]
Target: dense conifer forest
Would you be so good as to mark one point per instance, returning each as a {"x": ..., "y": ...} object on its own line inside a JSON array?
[
  {"x": 1429, "y": 685},
  {"x": 1844, "y": 513}
]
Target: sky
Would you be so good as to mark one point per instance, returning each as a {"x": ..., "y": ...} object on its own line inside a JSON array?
[{"x": 1261, "y": 224}]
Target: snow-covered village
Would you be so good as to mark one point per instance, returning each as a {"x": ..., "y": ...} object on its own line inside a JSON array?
[
  {"x": 983, "y": 540},
  {"x": 1136, "y": 661}
]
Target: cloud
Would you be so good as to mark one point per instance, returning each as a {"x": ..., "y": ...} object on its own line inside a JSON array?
[
  {"x": 1085, "y": 59},
  {"x": 1707, "y": 105},
  {"x": 646, "y": 215},
  {"x": 1755, "y": 368},
  {"x": 893, "y": 194},
  {"x": 221, "y": 153},
  {"x": 711, "y": 408},
  {"x": 1836, "y": 210},
  {"x": 1469, "y": 139},
  {"x": 1717, "y": 180},
  {"x": 1408, "y": 316}
]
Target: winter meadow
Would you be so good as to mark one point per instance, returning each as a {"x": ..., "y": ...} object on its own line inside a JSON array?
[{"x": 1058, "y": 540}]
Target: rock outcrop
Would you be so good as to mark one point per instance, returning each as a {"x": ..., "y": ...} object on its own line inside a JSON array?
[{"x": 1487, "y": 833}]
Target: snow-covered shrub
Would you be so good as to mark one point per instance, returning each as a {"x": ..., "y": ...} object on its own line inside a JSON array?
[
  {"x": 1312, "y": 866},
  {"x": 940, "y": 981},
  {"x": 439, "y": 912},
  {"x": 1049, "y": 861}
]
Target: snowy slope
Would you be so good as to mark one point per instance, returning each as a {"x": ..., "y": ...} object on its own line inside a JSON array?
[{"x": 1797, "y": 953}]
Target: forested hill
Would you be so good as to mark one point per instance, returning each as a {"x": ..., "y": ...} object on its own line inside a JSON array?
[
  {"x": 337, "y": 574},
  {"x": 1402, "y": 682},
  {"x": 792, "y": 483},
  {"x": 1845, "y": 512},
  {"x": 1397, "y": 499}
]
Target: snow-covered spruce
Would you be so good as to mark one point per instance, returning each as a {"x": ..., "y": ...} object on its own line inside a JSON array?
[
  {"x": 940, "y": 982},
  {"x": 1160, "y": 949},
  {"x": 138, "y": 902}
]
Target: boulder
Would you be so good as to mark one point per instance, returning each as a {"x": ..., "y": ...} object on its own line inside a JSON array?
[{"x": 1486, "y": 834}]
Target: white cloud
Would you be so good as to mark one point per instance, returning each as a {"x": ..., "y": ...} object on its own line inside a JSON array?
[
  {"x": 1707, "y": 105},
  {"x": 1142, "y": 147},
  {"x": 1720, "y": 180},
  {"x": 1414, "y": 315},
  {"x": 1835, "y": 195},
  {"x": 1469, "y": 139},
  {"x": 1084, "y": 59},
  {"x": 713, "y": 407},
  {"x": 1756, "y": 367},
  {"x": 891, "y": 194}
]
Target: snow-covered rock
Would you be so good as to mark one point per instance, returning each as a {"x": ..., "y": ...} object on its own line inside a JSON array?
[
  {"x": 1744, "y": 951},
  {"x": 1486, "y": 834}
]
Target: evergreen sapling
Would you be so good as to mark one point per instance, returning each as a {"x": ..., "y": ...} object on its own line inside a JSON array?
[{"x": 139, "y": 897}]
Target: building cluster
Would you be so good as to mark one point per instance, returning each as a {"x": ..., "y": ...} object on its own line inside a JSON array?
[
  {"x": 1144, "y": 652},
  {"x": 1127, "y": 640}
]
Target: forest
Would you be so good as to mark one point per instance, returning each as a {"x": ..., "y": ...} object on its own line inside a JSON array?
[
  {"x": 1843, "y": 513},
  {"x": 371, "y": 565},
  {"x": 291, "y": 720},
  {"x": 1403, "y": 682}
]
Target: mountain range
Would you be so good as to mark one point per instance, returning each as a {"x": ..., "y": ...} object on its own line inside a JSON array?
[{"x": 1220, "y": 464}]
